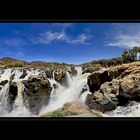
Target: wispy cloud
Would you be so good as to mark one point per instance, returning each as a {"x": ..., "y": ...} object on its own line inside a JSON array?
[
  {"x": 125, "y": 36},
  {"x": 49, "y": 37},
  {"x": 12, "y": 42},
  {"x": 126, "y": 41}
]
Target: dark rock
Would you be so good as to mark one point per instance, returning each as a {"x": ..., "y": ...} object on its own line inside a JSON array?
[
  {"x": 13, "y": 91},
  {"x": 60, "y": 76},
  {"x": 37, "y": 92},
  {"x": 23, "y": 74},
  {"x": 12, "y": 76},
  {"x": 100, "y": 103},
  {"x": 49, "y": 73},
  {"x": 4, "y": 82}
]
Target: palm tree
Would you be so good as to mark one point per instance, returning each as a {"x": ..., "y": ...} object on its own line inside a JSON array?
[{"x": 126, "y": 56}]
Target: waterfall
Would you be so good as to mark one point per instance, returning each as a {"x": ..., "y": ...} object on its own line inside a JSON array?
[
  {"x": 19, "y": 109},
  {"x": 3, "y": 98},
  {"x": 69, "y": 79},
  {"x": 19, "y": 99},
  {"x": 77, "y": 90}
]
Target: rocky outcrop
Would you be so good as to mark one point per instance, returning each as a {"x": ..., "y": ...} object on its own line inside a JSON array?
[
  {"x": 97, "y": 78},
  {"x": 73, "y": 109},
  {"x": 3, "y": 82},
  {"x": 59, "y": 75},
  {"x": 37, "y": 93},
  {"x": 23, "y": 74},
  {"x": 13, "y": 91},
  {"x": 114, "y": 87}
]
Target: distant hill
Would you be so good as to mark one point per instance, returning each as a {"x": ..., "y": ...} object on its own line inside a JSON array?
[{"x": 7, "y": 62}]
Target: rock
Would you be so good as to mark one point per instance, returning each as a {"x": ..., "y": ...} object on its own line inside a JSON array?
[
  {"x": 23, "y": 74},
  {"x": 73, "y": 109},
  {"x": 96, "y": 79},
  {"x": 99, "y": 102},
  {"x": 12, "y": 76},
  {"x": 3, "y": 82},
  {"x": 13, "y": 91},
  {"x": 72, "y": 71},
  {"x": 37, "y": 92},
  {"x": 60, "y": 75},
  {"x": 118, "y": 87},
  {"x": 129, "y": 89},
  {"x": 49, "y": 73}
]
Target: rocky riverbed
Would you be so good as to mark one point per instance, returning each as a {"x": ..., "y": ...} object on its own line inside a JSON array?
[{"x": 113, "y": 87}]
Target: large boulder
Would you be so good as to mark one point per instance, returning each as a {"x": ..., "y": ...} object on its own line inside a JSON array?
[
  {"x": 37, "y": 92},
  {"x": 72, "y": 109},
  {"x": 96, "y": 79},
  {"x": 13, "y": 91},
  {"x": 98, "y": 101},
  {"x": 60, "y": 75},
  {"x": 24, "y": 74}
]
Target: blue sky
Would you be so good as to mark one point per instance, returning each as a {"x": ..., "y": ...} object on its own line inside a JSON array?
[{"x": 67, "y": 42}]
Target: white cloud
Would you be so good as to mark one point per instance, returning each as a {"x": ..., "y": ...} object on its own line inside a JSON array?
[
  {"x": 125, "y": 36},
  {"x": 82, "y": 38},
  {"x": 126, "y": 41},
  {"x": 49, "y": 37}
]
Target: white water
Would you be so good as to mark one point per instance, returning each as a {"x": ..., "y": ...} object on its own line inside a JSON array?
[
  {"x": 131, "y": 110},
  {"x": 19, "y": 110},
  {"x": 64, "y": 94}
]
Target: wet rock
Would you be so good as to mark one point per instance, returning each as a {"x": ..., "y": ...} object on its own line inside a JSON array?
[
  {"x": 60, "y": 75},
  {"x": 37, "y": 92},
  {"x": 13, "y": 91},
  {"x": 99, "y": 102},
  {"x": 24, "y": 74},
  {"x": 49, "y": 73},
  {"x": 12, "y": 76},
  {"x": 3, "y": 82}
]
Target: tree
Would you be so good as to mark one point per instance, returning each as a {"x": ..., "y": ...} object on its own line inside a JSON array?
[{"x": 126, "y": 56}]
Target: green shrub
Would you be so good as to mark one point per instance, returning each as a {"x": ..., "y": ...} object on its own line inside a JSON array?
[{"x": 62, "y": 114}]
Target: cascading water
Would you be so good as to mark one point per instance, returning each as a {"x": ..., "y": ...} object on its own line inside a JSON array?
[
  {"x": 77, "y": 90},
  {"x": 131, "y": 110},
  {"x": 19, "y": 109}
]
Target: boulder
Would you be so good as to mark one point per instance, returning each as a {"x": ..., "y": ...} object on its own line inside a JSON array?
[
  {"x": 96, "y": 79},
  {"x": 3, "y": 82},
  {"x": 23, "y": 74},
  {"x": 98, "y": 101},
  {"x": 37, "y": 92}
]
